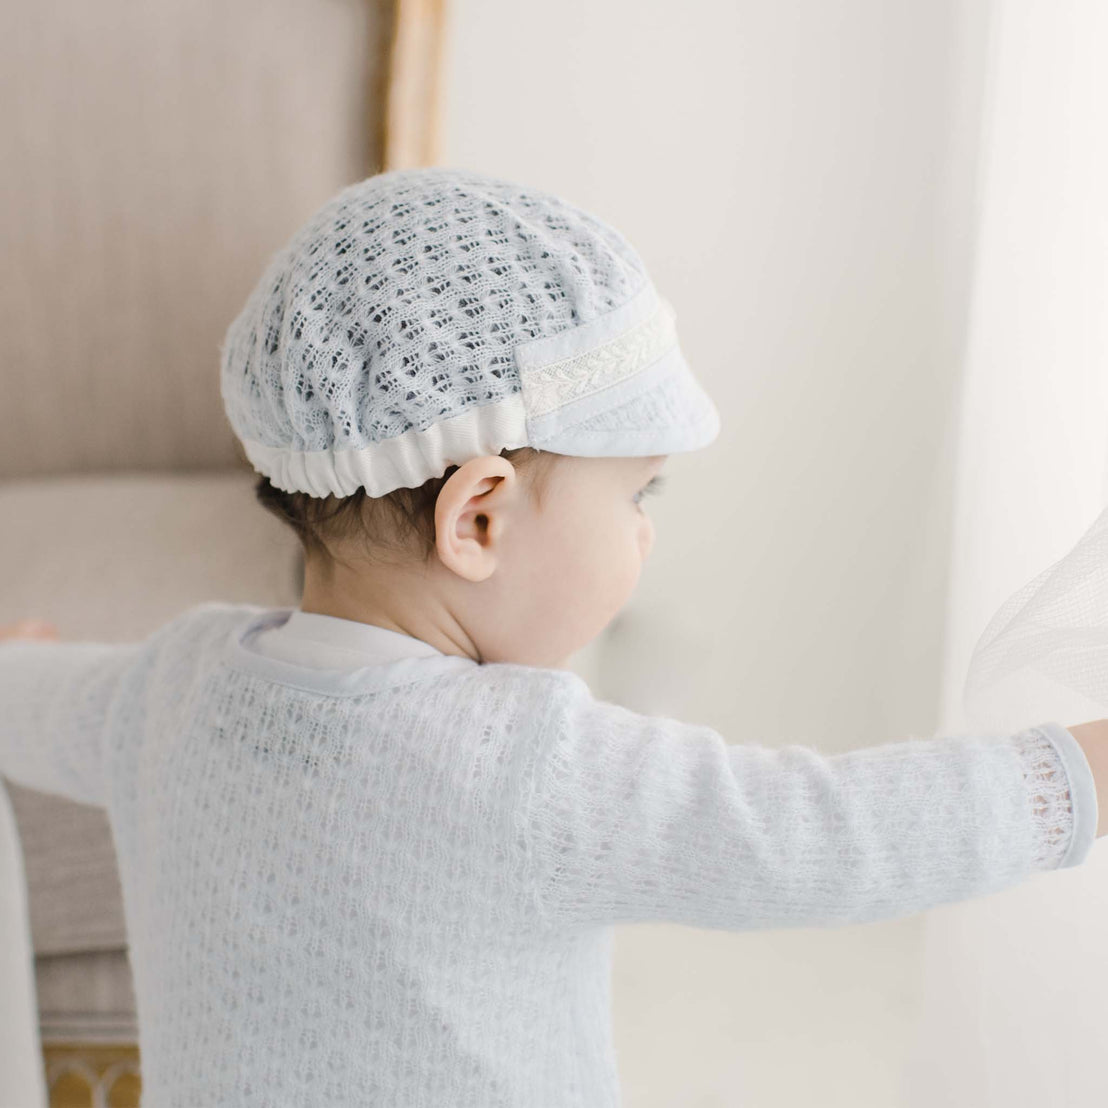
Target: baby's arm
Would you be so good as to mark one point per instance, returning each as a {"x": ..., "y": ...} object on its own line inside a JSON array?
[
  {"x": 638, "y": 818},
  {"x": 57, "y": 701}
]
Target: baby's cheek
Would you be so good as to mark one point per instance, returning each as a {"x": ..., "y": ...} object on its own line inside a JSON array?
[
  {"x": 563, "y": 573},
  {"x": 646, "y": 537},
  {"x": 585, "y": 574},
  {"x": 618, "y": 566}
]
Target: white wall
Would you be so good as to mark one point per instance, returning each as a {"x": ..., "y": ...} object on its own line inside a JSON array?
[
  {"x": 1013, "y": 1014},
  {"x": 799, "y": 178}
]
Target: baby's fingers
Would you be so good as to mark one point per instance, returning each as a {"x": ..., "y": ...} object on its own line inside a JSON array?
[{"x": 29, "y": 629}]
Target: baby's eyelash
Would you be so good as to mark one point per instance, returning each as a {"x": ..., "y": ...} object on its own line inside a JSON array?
[{"x": 652, "y": 487}]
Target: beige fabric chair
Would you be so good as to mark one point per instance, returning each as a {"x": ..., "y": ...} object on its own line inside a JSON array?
[{"x": 156, "y": 156}]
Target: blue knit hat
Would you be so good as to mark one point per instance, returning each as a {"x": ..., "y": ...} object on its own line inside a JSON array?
[{"x": 423, "y": 317}]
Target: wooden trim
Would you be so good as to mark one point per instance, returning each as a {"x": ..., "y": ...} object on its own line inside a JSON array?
[
  {"x": 411, "y": 121},
  {"x": 88, "y": 1075}
]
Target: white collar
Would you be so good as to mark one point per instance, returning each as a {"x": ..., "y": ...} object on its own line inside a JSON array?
[{"x": 330, "y": 642}]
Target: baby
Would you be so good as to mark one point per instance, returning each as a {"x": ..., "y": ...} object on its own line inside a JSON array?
[{"x": 372, "y": 848}]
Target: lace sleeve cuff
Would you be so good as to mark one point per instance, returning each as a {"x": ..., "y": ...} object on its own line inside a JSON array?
[{"x": 1062, "y": 793}]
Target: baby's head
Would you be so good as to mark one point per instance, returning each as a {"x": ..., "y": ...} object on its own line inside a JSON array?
[
  {"x": 523, "y": 556},
  {"x": 457, "y": 391}
]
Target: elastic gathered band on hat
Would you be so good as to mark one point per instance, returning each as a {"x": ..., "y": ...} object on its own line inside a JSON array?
[{"x": 402, "y": 462}]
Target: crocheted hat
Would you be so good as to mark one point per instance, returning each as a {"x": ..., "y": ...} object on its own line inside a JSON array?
[{"x": 423, "y": 317}]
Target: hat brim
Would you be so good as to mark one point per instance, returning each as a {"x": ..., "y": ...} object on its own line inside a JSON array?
[{"x": 661, "y": 410}]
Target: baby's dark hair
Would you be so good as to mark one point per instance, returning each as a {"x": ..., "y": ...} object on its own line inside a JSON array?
[{"x": 382, "y": 522}]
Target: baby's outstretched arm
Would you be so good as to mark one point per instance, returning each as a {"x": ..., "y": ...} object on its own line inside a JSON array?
[
  {"x": 56, "y": 703},
  {"x": 635, "y": 818}
]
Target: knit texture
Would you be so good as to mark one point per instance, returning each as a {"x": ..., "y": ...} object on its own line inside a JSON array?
[{"x": 397, "y": 885}]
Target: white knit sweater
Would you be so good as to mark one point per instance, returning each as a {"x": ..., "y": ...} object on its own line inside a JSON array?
[{"x": 393, "y": 881}]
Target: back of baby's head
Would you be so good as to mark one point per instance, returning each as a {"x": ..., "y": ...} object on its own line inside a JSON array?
[
  {"x": 424, "y": 317},
  {"x": 396, "y": 527}
]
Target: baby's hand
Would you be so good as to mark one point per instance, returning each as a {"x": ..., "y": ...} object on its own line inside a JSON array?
[{"x": 29, "y": 629}]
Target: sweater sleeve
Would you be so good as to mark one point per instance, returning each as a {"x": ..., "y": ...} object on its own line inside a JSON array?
[
  {"x": 57, "y": 700},
  {"x": 634, "y": 818}
]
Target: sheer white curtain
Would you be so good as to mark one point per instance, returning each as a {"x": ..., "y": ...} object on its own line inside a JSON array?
[{"x": 1015, "y": 984}]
